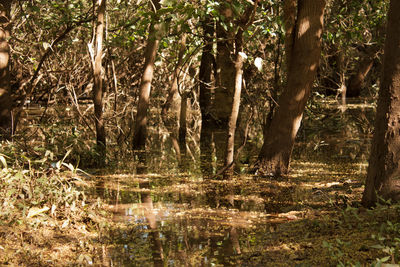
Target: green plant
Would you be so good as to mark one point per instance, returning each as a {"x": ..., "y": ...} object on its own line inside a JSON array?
[{"x": 336, "y": 250}]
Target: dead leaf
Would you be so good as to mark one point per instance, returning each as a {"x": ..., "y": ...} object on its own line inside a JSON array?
[{"x": 34, "y": 211}]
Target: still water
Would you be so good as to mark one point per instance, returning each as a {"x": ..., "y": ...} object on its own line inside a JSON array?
[
  {"x": 164, "y": 220},
  {"x": 187, "y": 220}
]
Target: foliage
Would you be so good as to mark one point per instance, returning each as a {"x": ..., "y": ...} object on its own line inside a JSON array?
[
  {"x": 39, "y": 195},
  {"x": 27, "y": 184},
  {"x": 39, "y": 174}
]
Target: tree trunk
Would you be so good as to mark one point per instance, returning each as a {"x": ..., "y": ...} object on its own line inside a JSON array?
[
  {"x": 289, "y": 16},
  {"x": 6, "y": 103},
  {"x": 230, "y": 143},
  {"x": 140, "y": 133},
  {"x": 305, "y": 52},
  {"x": 205, "y": 96},
  {"x": 240, "y": 58},
  {"x": 98, "y": 81},
  {"x": 225, "y": 82},
  {"x": 173, "y": 102},
  {"x": 182, "y": 125},
  {"x": 384, "y": 170},
  {"x": 356, "y": 81}
]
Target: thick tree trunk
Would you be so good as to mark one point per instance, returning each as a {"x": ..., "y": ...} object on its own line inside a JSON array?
[
  {"x": 6, "y": 103},
  {"x": 140, "y": 133},
  {"x": 289, "y": 16},
  {"x": 225, "y": 82},
  {"x": 205, "y": 96},
  {"x": 384, "y": 170},
  {"x": 278, "y": 144},
  {"x": 98, "y": 81}
]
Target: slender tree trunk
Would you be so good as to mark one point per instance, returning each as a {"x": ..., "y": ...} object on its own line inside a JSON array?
[
  {"x": 182, "y": 125},
  {"x": 384, "y": 170},
  {"x": 356, "y": 81},
  {"x": 240, "y": 58},
  {"x": 340, "y": 62},
  {"x": 205, "y": 96},
  {"x": 171, "y": 121},
  {"x": 140, "y": 133},
  {"x": 173, "y": 102},
  {"x": 6, "y": 103},
  {"x": 305, "y": 52},
  {"x": 98, "y": 81},
  {"x": 230, "y": 143}
]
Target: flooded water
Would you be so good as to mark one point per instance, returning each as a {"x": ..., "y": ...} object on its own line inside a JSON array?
[
  {"x": 164, "y": 218},
  {"x": 183, "y": 220},
  {"x": 187, "y": 220}
]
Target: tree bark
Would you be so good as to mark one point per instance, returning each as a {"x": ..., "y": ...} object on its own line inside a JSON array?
[
  {"x": 6, "y": 103},
  {"x": 384, "y": 170},
  {"x": 140, "y": 133},
  {"x": 230, "y": 143},
  {"x": 182, "y": 125},
  {"x": 225, "y": 83},
  {"x": 289, "y": 17},
  {"x": 173, "y": 102},
  {"x": 98, "y": 81},
  {"x": 205, "y": 96},
  {"x": 274, "y": 157},
  {"x": 356, "y": 81}
]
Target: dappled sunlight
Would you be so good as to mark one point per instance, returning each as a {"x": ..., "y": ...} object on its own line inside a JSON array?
[{"x": 203, "y": 211}]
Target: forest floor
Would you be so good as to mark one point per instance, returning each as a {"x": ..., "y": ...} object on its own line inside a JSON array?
[{"x": 310, "y": 218}]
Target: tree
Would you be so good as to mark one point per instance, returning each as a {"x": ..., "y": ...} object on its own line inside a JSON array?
[
  {"x": 205, "y": 94},
  {"x": 98, "y": 79},
  {"x": 140, "y": 132},
  {"x": 303, "y": 46},
  {"x": 240, "y": 59},
  {"x": 173, "y": 102},
  {"x": 357, "y": 80},
  {"x": 224, "y": 76},
  {"x": 384, "y": 170},
  {"x": 6, "y": 118}
]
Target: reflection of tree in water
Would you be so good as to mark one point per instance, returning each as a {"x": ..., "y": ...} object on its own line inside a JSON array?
[{"x": 147, "y": 202}]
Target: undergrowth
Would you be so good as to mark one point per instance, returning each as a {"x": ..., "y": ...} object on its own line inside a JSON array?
[
  {"x": 40, "y": 205},
  {"x": 378, "y": 234}
]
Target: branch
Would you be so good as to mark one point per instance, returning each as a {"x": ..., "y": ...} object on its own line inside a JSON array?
[{"x": 30, "y": 84}]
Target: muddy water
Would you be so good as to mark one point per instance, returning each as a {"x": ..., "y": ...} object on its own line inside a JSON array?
[
  {"x": 180, "y": 221},
  {"x": 186, "y": 220},
  {"x": 190, "y": 221}
]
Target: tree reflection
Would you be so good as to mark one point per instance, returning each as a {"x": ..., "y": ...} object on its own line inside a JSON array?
[{"x": 147, "y": 203}]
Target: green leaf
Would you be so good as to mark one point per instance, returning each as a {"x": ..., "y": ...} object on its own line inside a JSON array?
[{"x": 384, "y": 259}]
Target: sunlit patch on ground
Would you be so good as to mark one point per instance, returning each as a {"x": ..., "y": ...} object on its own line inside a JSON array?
[{"x": 301, "y": 218}]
